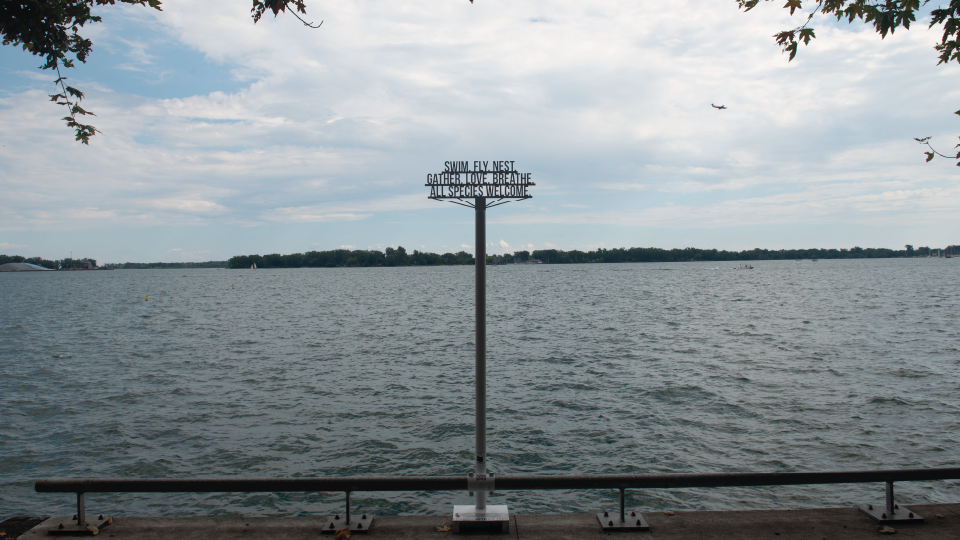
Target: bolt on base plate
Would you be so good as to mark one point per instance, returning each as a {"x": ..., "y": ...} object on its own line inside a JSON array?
[
  {"x": 900, "y": 515},
  {"x": 361, "y": 525},
  {"x": 610, "y": 521},
  {"x": 88, "y": 528}
]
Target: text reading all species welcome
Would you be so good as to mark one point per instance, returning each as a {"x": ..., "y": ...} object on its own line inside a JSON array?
[{"x": 461, "y": 179}]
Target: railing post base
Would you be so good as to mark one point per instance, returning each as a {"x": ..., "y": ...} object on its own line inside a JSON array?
[
  {"x": 622, "y": 522},
  {"x": 361, "y": 525},
  {"x": 338, "y": 523},
  {"x": 79, "y": 524},
  {"x": 900, "y": 515},
  {"x": 634, "y": 521},
  {"x": 492, "y": 518},
  {"x": 891, "y": 511}
]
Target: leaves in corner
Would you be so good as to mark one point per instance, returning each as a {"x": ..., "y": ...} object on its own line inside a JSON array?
[{"x": 793, "y": 5}]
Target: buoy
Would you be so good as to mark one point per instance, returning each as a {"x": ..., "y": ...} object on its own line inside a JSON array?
[
  {"x": 231, "y": 285},
  {"x": 146, "y": 298}
]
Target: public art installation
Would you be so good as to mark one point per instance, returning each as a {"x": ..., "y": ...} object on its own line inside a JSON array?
[{"x": 480, "y": 185}]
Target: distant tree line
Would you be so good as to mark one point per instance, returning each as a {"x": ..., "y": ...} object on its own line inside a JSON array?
[
  {"x": 555, "y": 256},
  {"x": 346, "y": 257},
  {"x": 400, "y": 257},
  {"x": 146, "y": 266}
]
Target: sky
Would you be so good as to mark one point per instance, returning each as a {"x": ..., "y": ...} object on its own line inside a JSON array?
[{"x": 221, "y": 137}]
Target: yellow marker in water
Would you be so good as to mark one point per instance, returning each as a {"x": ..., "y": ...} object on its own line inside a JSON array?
[
  {"x": 231, "y": 285},
  {"x": 146, "y": 298}
]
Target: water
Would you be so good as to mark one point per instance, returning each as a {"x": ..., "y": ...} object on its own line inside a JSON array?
[{"x": 615, "y": 368}]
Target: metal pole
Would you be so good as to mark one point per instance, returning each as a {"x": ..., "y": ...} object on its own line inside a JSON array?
[
  {"x": 348, "y": 509},
  {"x": 890, "y": 498},
  {"x": 481, "y": 344},
  {"x": 622, "y": 518},
  {"x": 81, "y": 509}
]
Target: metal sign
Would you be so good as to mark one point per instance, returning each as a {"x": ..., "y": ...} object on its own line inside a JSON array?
[{"x": 497, "y": 180}]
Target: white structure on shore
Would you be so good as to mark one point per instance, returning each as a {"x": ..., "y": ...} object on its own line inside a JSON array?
[{"x": 21, "y": 267}]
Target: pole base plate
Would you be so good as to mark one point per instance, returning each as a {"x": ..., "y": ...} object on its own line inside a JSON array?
[
  {"x": 88, "y": 528},
  {"x": 356, "y": 525},
  {"x": 610, "y": 521},
  {"x": 900, "y": 515},
  {"x": 493, "y": 518}
]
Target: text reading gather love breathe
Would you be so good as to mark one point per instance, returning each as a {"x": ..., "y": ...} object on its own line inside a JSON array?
[{"x": 479, "y": 179}]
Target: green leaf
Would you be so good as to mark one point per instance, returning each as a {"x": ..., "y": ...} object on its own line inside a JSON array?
[
  {"x": 793, "y": 5},
  {"x": 784, "y": 37},
  {"x": 793, "y": 50},
  {"x": 74, "y": 92},
  {"x": 78, "y": 110}
]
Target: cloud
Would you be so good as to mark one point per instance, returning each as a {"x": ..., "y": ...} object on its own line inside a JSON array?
[
  {"x": 8, "y": 245},
  {"x": 37, "y": 76},
  {"x": 607, "y": 103},
  {"x": 191, "y": 206},
  {"x": 299, "y": 215},
  {"x": 624, "y": 186},
  {"x": 136, "y": 50},
  {"x": 828, "y": 204}
]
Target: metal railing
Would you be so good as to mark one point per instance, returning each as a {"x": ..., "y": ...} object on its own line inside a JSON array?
[{"x": 619, "y": 482}]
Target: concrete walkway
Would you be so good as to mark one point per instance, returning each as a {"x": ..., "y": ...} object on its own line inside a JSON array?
[{"x": 827, "y": 523}]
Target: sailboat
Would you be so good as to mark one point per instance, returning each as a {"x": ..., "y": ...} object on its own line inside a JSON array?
[{"x": 253, "y": 266}]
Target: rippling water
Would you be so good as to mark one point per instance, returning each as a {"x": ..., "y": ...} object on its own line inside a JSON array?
[{"x": 613, "y": 368}]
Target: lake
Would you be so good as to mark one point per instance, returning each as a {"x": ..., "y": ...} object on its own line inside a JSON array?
[{"x": 601, "y": 368}]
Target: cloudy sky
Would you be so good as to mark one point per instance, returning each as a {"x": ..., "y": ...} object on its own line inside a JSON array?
[{"x": 221, "y": 137}]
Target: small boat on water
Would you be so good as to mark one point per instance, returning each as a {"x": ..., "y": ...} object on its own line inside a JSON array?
[
  {"x": 744, "y": 267},
  {"x": 253, "y": 266}
]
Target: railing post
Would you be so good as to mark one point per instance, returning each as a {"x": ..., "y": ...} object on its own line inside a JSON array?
[
  {"x": 348, "y": 509},
  {"x": 621, "y": 506},
  {"x": 890, "y": 508},
  {"x": 81, "y": 509}
]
